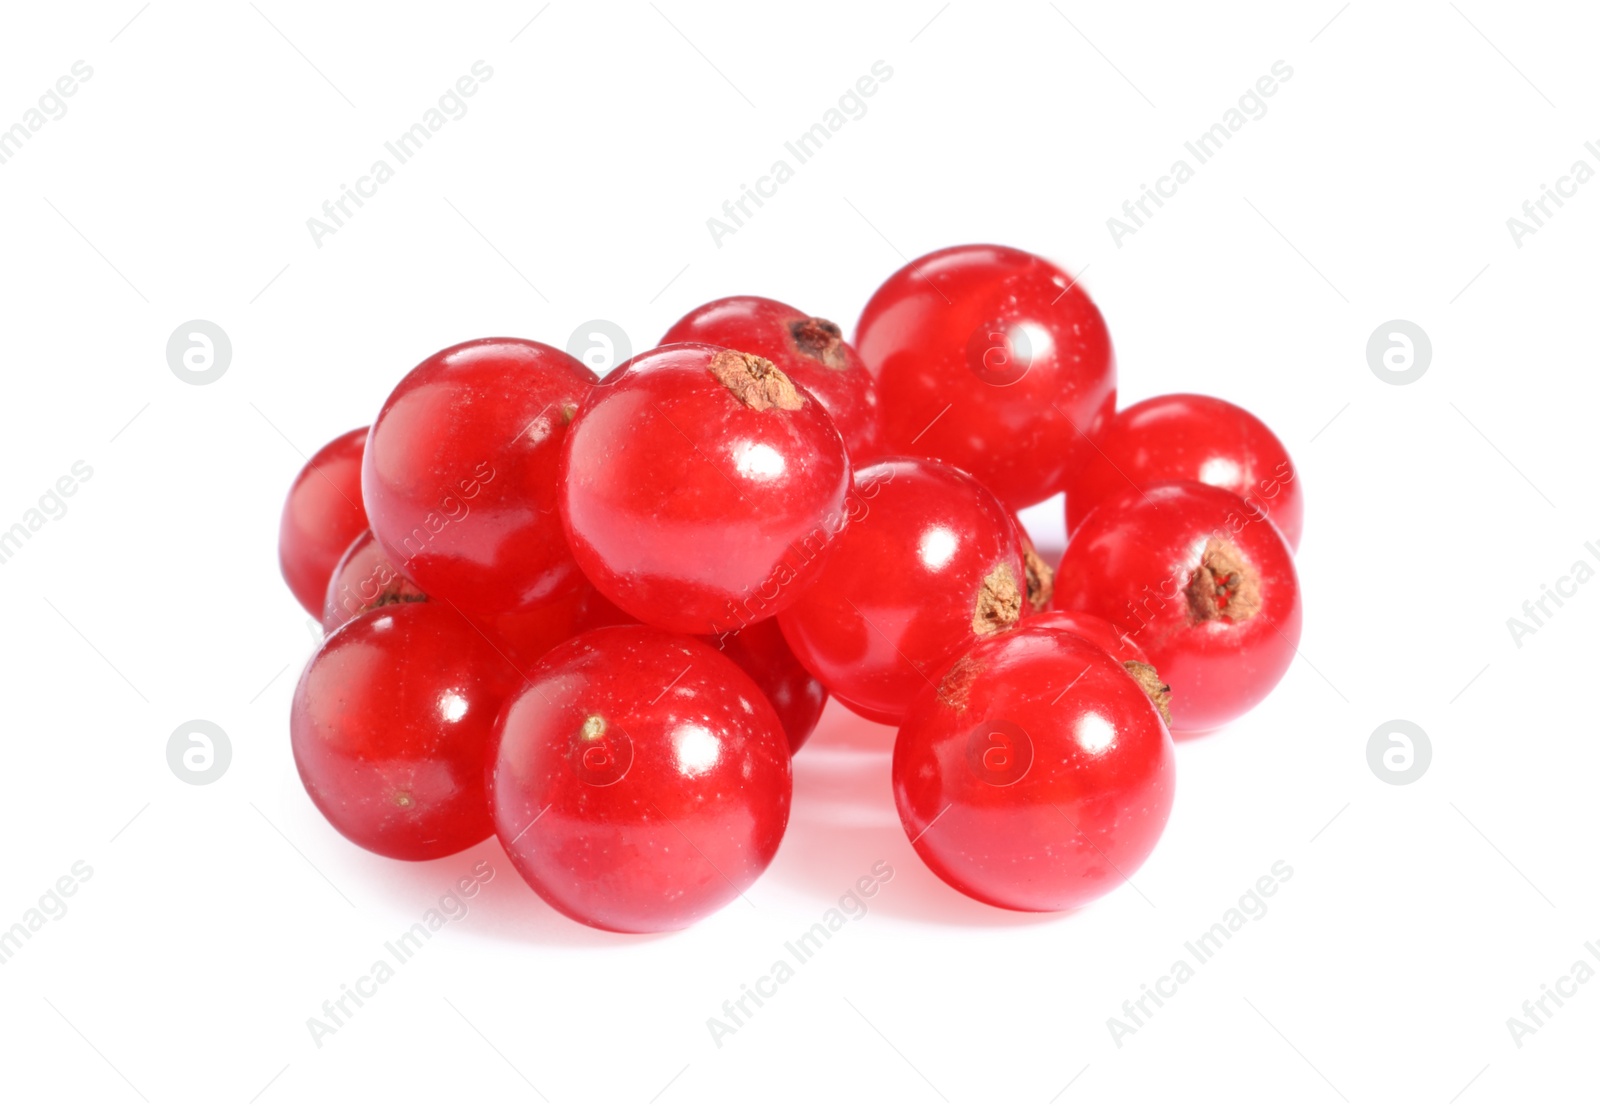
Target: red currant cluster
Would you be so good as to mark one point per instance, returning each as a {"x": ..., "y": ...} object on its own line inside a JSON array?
[{"x": 596, "y": 618}]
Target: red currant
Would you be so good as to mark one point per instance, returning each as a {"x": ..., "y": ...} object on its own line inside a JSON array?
[
  {"x": 641, "y": 781},
  {"x": 1037, "y": 776},
  {"x": 1204, "y": 583},
  {"x": 321, "y": 517},
  {"x": 701, "y": 489},
  {"x": 810, "y": 351},
  {"x": 992, "y": 360},
  {"x": 1118, "y": 644},
  {"x": 930, "y": 563},
  {"x": 798, "y": 697},
  {"x": 391, "y": 726},
  {"x": 364, "y": 580},
  {"x": 460, "y": 473},
  {"x": 1189, "y": 437}
]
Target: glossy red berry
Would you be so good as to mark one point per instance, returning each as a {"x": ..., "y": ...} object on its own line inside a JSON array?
[
  {"x": 1204, "y": 583},
  {"x": 1118, "y": 644},
  {"x": 1189, "y": 437},
  {"x": 641, "y": 782},
  {"x": 797, "y": 696},
  {"x": 1037, "y": 776},
  {"x": 321, "y": 517},
  {"x": 1095, "y": 630},
  {"x": 701, "y": 489},
  {"x": 811, "y": 351},
  {"x": 391, "y": 726},
  {"x": 364, "y": 579},
  {"x": 992, "y": 360},
  {"x": 930, "y": 563},
  {"x": 460, "y": 473}
]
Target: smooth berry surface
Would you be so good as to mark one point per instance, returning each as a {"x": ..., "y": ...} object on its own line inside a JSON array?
[
  {"x": 811, "y": 351},
  {"x": 1037, "y": 776},
  {"x": 1202, "y": 581},
  {"x": 798, "y": 696},
  {"x": 930, "y": 563},
  {"x": 460, "y": 473},
  {"x": 641, "y": 782},
  {"x": 1189, "y": 437},
  {"x": 701, "y": 489},
  {"x": 992, "y": 360},
  {"x": 1095, "y": 630},
  {"x": 391, "y": 725},
  {"x": 321, "y": 517},
  {"x": 364, "y": 579}
]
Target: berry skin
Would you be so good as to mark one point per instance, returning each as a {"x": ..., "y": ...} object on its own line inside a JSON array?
[
  {"x": 460, "y": 473},
  {"x": 797, "y": 695},
  {"x": 321, "y": 517},
  {"x": 700, "y": 489},
  {"x": 1037, "y": 776},
  {"x": 810, "y": 351},
  {"x": 364, "y": 580},
  {"x": 391, "y": 725},
  {"x": 1204, "y": 584},
  {"x": 1095, "y": 630},
  {"x": 992, "y": 360},
  {"x": 1117, "y": 643},
  {"x": 930, "y": 563},
  {"x": 1189, "y": 437},
  {"x": 641, "y": 780}
]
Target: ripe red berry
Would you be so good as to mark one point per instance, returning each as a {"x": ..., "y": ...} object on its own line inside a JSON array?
[
  {"x": 1203, "y": 582},
  {"x": 1037, "y": 776},
  {"x": 460, "y": 473},
  {"x": 391, "y": 725},
  {"x": 992, "y": 360},
  {"x": 364, "y": 580},
  {"x": 930, "y": 563},
  {"x": 795, "y": 694},
  {"x": 1189, "y": 437},
  {"x": 810, "y": 351},
  {"x": 321, "y": 517},
  {"x": 1118, "y": 644},
  {"x": 701, "y": 489},
  {"x": 641, "y": 782}
]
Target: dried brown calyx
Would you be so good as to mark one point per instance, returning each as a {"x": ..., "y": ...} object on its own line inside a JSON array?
[
  {"x": 999, "y": 602},
  {"x": 1224, "y": 586},
  {"x": 1150, "y": 680},
  {"x": 820, "y": 340},
  {"x": 397, "y": 589},
  {"x": 1041, "y": 579},
  {"x": 755, "y": 382},
  {"x": 956, "y": 686}
]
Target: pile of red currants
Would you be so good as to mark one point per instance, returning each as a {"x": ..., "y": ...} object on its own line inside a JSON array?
[{"x": 597, "y": 618}]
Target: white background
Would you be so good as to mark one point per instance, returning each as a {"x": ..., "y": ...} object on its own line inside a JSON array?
[{"x": 219, "y": 918}]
